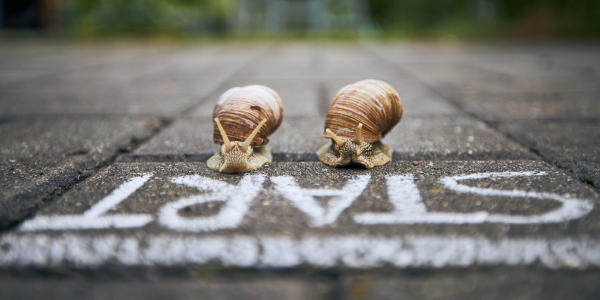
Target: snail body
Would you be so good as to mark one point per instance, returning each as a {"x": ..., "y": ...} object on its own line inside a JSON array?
[
  {"x": 243, "y": 119},
  {"x": 359, "y": 116}
]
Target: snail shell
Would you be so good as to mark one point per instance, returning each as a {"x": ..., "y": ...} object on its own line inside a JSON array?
[
  {"x": 241, "y": 109},
  {"x": 243, "y": 119},
  {"x": 359, "y": 116}
]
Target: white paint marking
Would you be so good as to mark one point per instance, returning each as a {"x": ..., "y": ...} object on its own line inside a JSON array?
[
  {"x": 572, "y": 208},
  {"x": 409, "y": 207},
  {"x": 355, "y": 251},
  {"x": 237, "y": 201},
  {"x": 94, "y": 218},
  {"x": 304, "y": 199}
]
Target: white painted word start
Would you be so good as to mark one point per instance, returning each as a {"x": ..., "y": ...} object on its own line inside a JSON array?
[{"x": 402, "y": 190}]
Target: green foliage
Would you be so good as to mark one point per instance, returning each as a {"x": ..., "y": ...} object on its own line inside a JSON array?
[
  {"x": 487, "y": 17},
  {"x": 394, "y": 18},
  {"x": 91, "y": 17}
]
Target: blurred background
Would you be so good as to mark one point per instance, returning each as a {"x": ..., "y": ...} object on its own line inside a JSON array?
[{"x": 329, "y": 18}]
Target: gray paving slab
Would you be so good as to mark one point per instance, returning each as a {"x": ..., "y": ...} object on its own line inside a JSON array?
[
  {"x": 474, "y": 284},
  {"x": 58, "y": 137},
  {"x": 451, "y": 137},
  {"x": 184, "y": 136},
  {"x": 271, "y": 288},
  {"x": 148, "y": 84},
  {"x": 576, "y": 139},
  {"x": 162, "y": 83},
  {"x": 26, "y": 184},
  {"x": 574, "y": 144},
  {"x": 40, "y": 156},
  {"x": 183, "y": 214},
  {"x": 496, "y": 106},
  {"x": 8, "y": 78},
  {"x": 317, "y": 62},
  {"x": 532, "y": 70},
  {"x": 283, "y": 62},
  {"x": 85, "y": 103},
  {"x": 198, "y": 63}
]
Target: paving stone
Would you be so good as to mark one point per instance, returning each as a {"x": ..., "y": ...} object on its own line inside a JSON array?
[
  {"x": 445, "y": 137},
  {"x": 358, "y": 62},
  {"x": 573, "y": 144},
  {"x": 495, "y": 71},
  {"x": 42, "y": 155},
  {"x": 474, "y": 284},
  {"x": 184, "y": 136},
  {"x": 49, "y": 136},
  {"x": 144, "y": 83},
  {"x": 148, "y": 84},
  {"x": 26, "y": 184},
  {"x": 578, "y": 140},
  {"x": 85, "y": 103},
  {"x": 283, "y": 62},
  {"x": 273, "y": 288},
  {"x": 495, "y": 106},
  {"x": 317, "y": 62},
  {"x": 7, "y": 78}
]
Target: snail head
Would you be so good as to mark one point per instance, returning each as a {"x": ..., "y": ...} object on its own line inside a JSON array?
[
  {"x": 352, "y": 150},
  {"x": 236, "y": 155}
]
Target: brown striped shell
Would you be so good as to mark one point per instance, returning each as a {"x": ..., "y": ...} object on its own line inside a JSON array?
[
  {"x": 240, "y": 110},
  {"x": 371, "y": 102}
]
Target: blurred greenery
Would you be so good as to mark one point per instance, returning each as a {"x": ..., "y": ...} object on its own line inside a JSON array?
[
  {"x": 389, "y": 18},
  {"x": 144, "y": 17},
  {"x": 487, "y": 17}
]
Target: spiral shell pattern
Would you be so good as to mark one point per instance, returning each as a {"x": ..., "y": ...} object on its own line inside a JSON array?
[
  {"x": 371, "y": 102},
  {"x": 241, "y": 109}
]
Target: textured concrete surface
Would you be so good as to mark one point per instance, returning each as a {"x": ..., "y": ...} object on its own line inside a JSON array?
[
  {"x": 188, "y": 288},
  {"x": 488, "y": 284},
  {"x": 492, "y": 192},
  {"x": 45, "y": 155},
  {"x": 272, "y": 212}
]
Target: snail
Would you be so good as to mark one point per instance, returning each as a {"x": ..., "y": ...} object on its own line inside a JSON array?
[
  {"x": 243, "y": 118},
  {"x": 359, "y": 116}
]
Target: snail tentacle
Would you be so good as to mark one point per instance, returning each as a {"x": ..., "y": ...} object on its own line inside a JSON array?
[
  {"x": 247, "y": 142},
  {"x": 337, "y": 140},
  {"x": 358, "y": 133},
  {"x": 226, "y": 141}
]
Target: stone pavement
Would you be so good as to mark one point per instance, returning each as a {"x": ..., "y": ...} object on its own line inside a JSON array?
[{"x": 492, "y": 193}]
